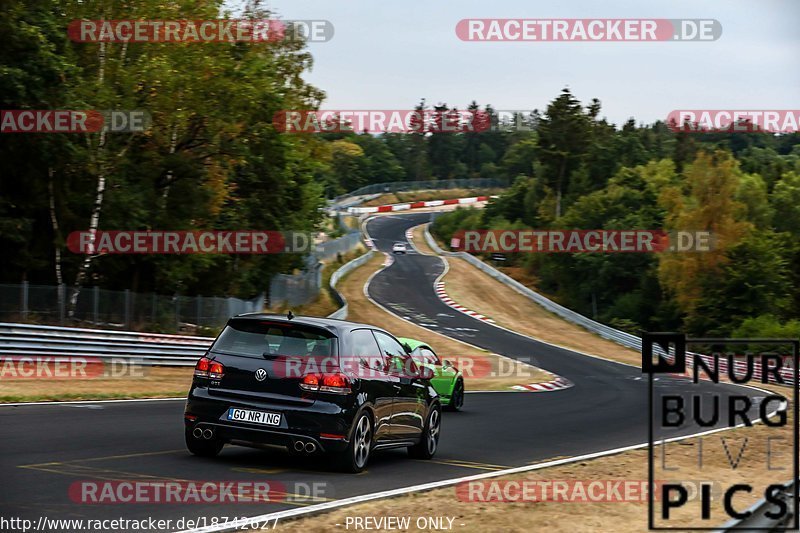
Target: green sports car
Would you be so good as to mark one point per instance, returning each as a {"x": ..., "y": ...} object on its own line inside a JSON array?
[{"x": 447, "y": 379}]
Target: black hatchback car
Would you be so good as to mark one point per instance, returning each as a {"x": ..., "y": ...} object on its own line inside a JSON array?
[{"x": 312, "y": 385}]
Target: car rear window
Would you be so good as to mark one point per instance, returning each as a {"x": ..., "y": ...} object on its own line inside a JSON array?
[{"x": 259, "y": 338}]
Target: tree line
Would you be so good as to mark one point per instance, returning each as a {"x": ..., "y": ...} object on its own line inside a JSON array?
[
  {"x": 213, "y": 159},
  {"x": 577, "y": 171}
]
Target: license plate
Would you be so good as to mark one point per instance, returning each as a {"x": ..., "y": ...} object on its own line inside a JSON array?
[{"x": 254, "y": 417}]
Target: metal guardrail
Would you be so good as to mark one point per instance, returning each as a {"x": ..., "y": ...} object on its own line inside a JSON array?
[
  {"x": 607, "y": 332},
  {"x": 149, "y": 349},
  {"x": 29, "y": 340},
  {"x": 341, "y": 313},
  {"x": 757, "y": 519}
]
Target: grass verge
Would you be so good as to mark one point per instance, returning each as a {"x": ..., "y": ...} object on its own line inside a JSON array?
[
  {"x": 480, "y": 292},
  {"x": 567, "y": 517},
  {"x": 324, "y": 304},
  {"x": 147, "y": 382},
  {"x": 360, "y": 309}
]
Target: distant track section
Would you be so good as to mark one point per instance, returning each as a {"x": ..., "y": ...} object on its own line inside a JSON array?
[{"x": 417, "y": 205}]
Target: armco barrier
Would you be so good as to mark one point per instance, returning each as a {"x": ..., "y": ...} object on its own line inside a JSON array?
[
  {"x": 758, "y": 516},
  {"x": 417, "y": 205},
  {"x": 341, "y": 313},
  {"x": 620, "y": 337},
  {"x": 29, "y": 340},
  {"x": 149, "y": 349},
  {"x": 377, "y": 189}
]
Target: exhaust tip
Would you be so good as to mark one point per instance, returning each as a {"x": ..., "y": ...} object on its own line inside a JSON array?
[
  {"x": 298, "y": 446},
  {"x": 197, "y": 433},
  {"x": 207, "y": 433},
  {"x": 310, "y": 447}
]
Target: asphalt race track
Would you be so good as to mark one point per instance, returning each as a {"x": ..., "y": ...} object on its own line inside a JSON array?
[{"x": 47, "y": 448}]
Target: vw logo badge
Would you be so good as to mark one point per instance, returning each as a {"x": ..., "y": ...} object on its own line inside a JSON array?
[{"x": 261, "y": 374}]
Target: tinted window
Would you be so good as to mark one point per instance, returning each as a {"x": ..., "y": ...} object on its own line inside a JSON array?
[
  {"x": 423, "y": 355},
  {"x": 389, "y": 346},
  {"x": 256, "y": 338},
  {"x": 396, "y": 356},
  {"x": 364, "y": 344},
  {"x": 364, "y": 347}
]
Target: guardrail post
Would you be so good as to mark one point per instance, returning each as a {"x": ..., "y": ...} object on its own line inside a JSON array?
[
  {"x": 96, "y": 304},
  {"x": 24, "y": 300},
  {"x": 61, "y": 304},
  {"x": 127, "y": 308}
]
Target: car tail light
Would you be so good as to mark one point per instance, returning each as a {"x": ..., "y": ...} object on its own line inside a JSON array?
[
  {"x": 216, "y": 371},
  {"x": 310, "y": 382},
  {"x": 206, "y": 368},
  {"x": 201, "y": 368},
  {"x": 335, "y": 383}
]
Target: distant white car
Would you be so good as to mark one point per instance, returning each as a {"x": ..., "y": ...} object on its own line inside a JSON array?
[{"x": 399, "y": 248}]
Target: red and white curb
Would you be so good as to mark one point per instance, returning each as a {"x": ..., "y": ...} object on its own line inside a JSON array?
[
  {"x": 388, "y": 261},
  {"x": 409, "y": 235},
  {"x": 556, "y": 384},
  {"x": 442, "y": 295},
  {"x": 417, "y": 205}
]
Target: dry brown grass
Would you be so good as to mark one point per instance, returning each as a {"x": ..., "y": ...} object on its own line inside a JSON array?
[
  {"x": 362, "y": 310},
  {"x": 478, "y": 291},
  {"x": 571, "y": 517},
  {"x": 146, "y": 382},
  {"x": 324, "y": 304}
]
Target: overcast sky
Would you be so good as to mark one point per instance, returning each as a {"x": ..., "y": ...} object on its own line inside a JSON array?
[{"x": 387, "y": 54}]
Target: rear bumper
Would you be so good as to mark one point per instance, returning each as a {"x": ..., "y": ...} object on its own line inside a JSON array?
[
  {"x": 275, "y": 437},
  {"x": 306, "y": 423}
]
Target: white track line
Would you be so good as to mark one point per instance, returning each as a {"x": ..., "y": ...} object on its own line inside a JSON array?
[
  {"x": 328, "y": 506},
  {"x": 446, "y": 269},
  {"x": 73, "y": 402}
]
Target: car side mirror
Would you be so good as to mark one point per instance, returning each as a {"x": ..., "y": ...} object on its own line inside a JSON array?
[
  {"x": 407, "y": 348},
  {"x": 447, "y": 364}
]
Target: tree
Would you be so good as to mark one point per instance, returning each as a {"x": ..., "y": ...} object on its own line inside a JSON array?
[
  {"x": 704, "y": 202},
  {"x": 563, "y": 141}
]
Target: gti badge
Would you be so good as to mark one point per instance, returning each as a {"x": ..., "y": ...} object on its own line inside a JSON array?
[{"x": 261, "y": 374}]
